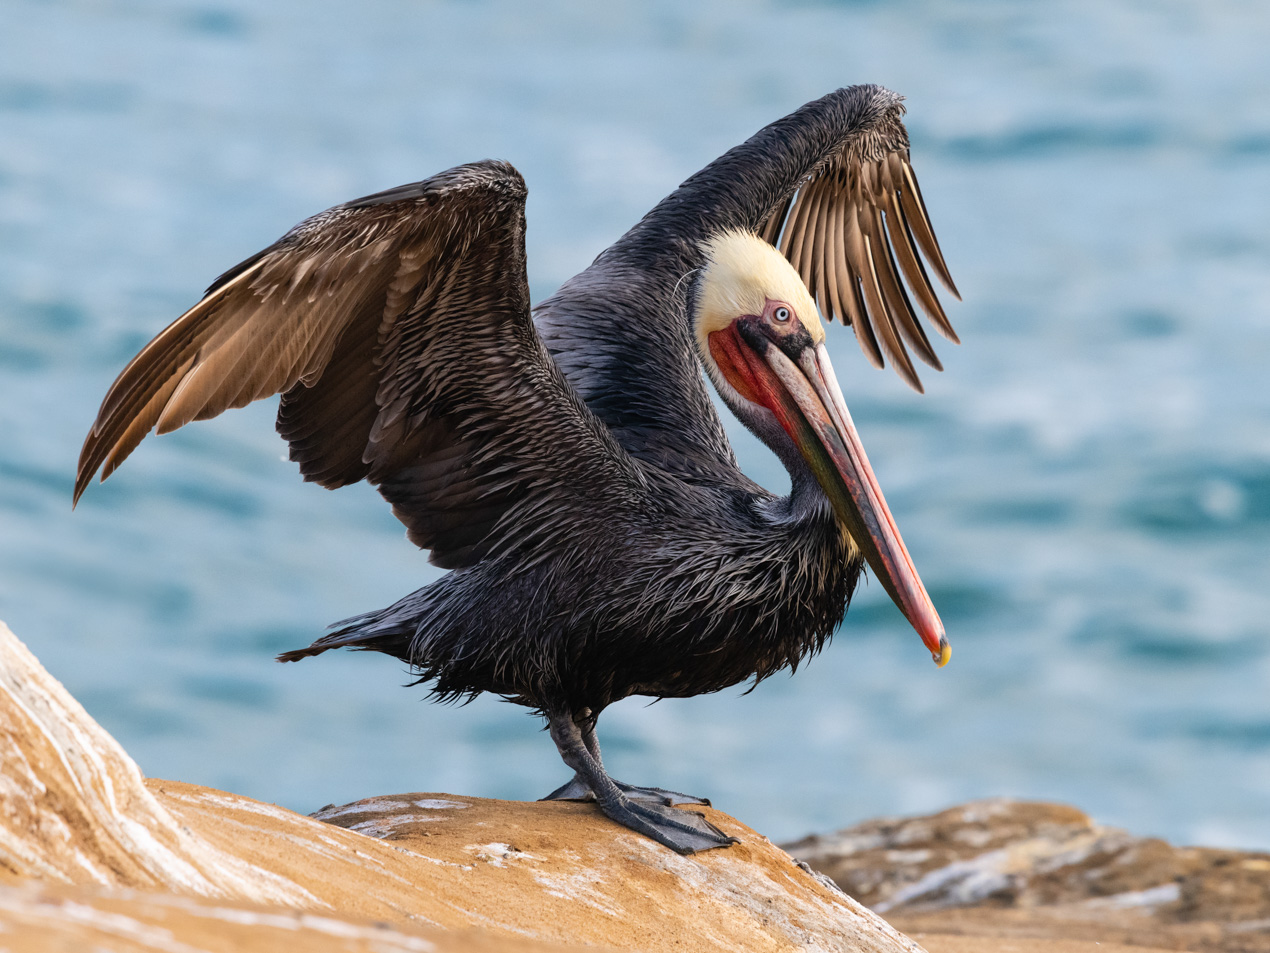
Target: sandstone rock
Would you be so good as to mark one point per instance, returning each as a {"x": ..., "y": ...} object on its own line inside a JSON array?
[
  {"x": 1025, "y": 868},
  {"x": 92, "y": 856},
  {"x": 74, "y": 810},
  {"x": 551, "y": 870},
  {"x": 39, "y": 918},
  {"x": 43, "y": 917},
  {"x": 562, "y": 870}
]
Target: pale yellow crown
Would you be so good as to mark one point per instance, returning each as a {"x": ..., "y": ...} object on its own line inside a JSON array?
[{"x": 742, "y": 274}]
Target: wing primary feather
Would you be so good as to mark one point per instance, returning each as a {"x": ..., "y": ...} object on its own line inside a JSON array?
[
  {"x": 849, "y": 287},
  {"x": 820, "y": 249},
  {"x": 155, "y": 370},
  {"x": 833, "y": 254},
  {"x": 898, "y": 305},
  {"x": 124, "y": 442},
  {"x": 142, "y": 378},
  {"x": 131, "y": 397},
  {"x": 792, "y": 240},
  {"x": 787, "y": 228},
  {"x": 182, "y": 336},
  {"x": 914, "y": 270},
  {"x": 858, "y": 245},
  {"x": 222, "y": 374},
  {"x": 807, "y": 257},
  {"x": 915, "y": 210}
]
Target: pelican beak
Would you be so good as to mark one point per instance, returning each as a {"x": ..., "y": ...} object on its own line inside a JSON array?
[
  {"x": 793, "y": 378},
  {"x": 831, "y": 445}
]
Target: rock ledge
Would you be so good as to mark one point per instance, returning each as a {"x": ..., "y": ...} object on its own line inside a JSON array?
[
  {"x": 1020, "y": 868},
  {"x": 79, "y": 826}
]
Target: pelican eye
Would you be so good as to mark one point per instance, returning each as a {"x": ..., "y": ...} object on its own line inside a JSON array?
[{"x": 781, "y": 315}]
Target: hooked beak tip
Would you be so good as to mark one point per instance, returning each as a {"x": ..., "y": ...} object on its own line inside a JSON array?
[{"x": 945, "y": 652}]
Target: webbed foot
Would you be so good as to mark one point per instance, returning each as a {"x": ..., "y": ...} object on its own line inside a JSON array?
[
  {"x": 578, "y": 790},
  {"x": 648, "y": 811},
  {"x": 684, "y": 832}
]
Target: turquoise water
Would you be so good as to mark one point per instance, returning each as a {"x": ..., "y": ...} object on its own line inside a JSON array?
[{"x": 1086, "y": 490}]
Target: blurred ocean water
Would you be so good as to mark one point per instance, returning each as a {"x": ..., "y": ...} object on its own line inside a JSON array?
[{"x": 1086, "y": 490}]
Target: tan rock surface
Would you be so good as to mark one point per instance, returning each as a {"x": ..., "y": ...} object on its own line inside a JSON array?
[
  {"x": 554, "y": 871},
  {"x": 951, "y": 943},
  {"x": 92, "y": 856},
  {"x": 75, "y": 810},
  {"x": 1027, "y": 869},
  {"x": 42, "y": 917}
]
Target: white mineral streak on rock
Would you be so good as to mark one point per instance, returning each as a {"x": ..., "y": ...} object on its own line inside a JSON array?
[
  {"x": 384, "y": 827},
  {"x": 1145, "y": 899},
  {"x": 576, "y": 881},
  {"x": 39, "y": 916},
  {"x": 799, "y": 912},
  {"x": 378, "y": 804},
  {"x": 959, "y": 883},
  {"x": 382, "y": 804},
  {"x": 498, "y": 854},
  {"x": 966, "y": 882},
  {"x": 74, "y": 808},
  {"x": 985, "y": 810}
]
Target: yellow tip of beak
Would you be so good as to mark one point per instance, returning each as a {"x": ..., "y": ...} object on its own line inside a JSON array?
[{"x": 945, "y": 653}]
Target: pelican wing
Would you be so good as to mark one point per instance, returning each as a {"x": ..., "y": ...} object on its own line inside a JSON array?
[
  {"x": 856, "y": 231},
  {"x": 831, "y": 185},
  {"x": 397, "y": 329}
]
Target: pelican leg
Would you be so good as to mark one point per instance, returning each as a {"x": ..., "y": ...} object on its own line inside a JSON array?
[
  {"x": 576, "y": 789},
  {"x": 685, "y": 832}
]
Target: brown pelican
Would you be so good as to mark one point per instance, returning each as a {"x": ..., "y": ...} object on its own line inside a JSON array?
[{"x": 566, "y": 462}]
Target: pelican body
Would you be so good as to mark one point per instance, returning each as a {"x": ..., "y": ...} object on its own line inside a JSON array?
[{"x": 566, "y": 462}]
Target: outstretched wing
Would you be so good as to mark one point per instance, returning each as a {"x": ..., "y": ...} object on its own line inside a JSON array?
[
  {"x": 832, "y": 185},
  {"x": 853, "y": 232},
  {"x": 397, "y": 328}
]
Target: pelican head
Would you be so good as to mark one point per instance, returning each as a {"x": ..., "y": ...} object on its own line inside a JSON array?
[{"x": 763, "y": 346}]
